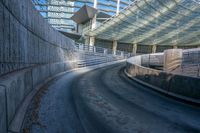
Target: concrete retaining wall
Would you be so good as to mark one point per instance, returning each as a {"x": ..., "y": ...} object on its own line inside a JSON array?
[
  {"x": 16, "y": 86},
  {"x": 185, "y": 87},
  {"x": 3, "y": 123},
  {"x": 31, "y": 51},
  {"x": 26, "y": 39}
]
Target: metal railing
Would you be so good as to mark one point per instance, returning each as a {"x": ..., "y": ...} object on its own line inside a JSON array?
[
  {"x": 100, "y": 50},
  {"x": 94, "y": 55}
]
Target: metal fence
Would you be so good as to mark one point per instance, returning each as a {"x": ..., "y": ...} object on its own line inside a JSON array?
[
  {"x": 94, "y": 55},
  {"x": 99, "y": 50}
]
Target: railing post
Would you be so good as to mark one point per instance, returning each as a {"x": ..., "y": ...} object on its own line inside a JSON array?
[
  {"x": 149, "y": 61},
  {"x": 122, "y": 53},
  {"x": 79, "y": 46},
  {"x": 94, "y": 49},
  {"x": 105, "y": 51}
]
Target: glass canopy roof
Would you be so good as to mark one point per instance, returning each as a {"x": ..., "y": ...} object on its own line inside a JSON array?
[
  {"x": 59, "y": 12},
  {"x": 154, "y": 22}
]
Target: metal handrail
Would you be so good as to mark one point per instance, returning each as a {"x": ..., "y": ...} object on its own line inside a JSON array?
[{"x": 100, "y": 50}]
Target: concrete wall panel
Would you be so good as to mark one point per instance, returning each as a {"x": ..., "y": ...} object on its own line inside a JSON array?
[
  {"x": 3, "y": 126},
  {"x": 26, "y": 39},
  {"x": 39, "y": 74},
  {"x": 179, "y": 85},
  {"x": 15, "y": 94},
  {"x": 27, "y": 36},
  {"x": 186, "y": 86},
  {"x": 1, "y": 37}
]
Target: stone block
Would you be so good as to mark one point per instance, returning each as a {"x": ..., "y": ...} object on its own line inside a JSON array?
[{"x": 3, "y": 122}]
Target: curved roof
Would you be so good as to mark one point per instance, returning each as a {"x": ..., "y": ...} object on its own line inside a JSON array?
[{"x": 154, "y": 22}]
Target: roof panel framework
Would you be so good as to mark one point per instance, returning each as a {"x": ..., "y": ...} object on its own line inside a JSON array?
[{"x": 154, "y": 22}]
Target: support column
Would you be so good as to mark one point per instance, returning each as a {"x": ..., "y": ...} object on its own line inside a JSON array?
[
  {"x": 92, "y": 40},
  {"x": 94, "y": 22},
  {"x": 87, "y": 40},
  {"x": 118, "y": 7},
  {"x": 94, "y": 19},
  {"x": 105, "y": 51},
  {"x": 154, "y": 48},
  {"x": 175, "y": 46},
  {"x": 114, "y": 47},
  {"x": 134, "y": 50}
]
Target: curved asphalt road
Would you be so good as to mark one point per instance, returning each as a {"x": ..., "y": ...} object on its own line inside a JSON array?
[{"x": 109, "y": 102}]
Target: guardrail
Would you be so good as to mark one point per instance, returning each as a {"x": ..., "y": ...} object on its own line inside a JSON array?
[
  {"x": 188, "y": 64},
  {"x": 174, "y": 84},
  {"x": 101, "y": 51},
  {"x": 94, "y": 55}
]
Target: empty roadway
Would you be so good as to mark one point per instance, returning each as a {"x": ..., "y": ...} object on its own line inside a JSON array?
[{"x": 107, "y": 101}]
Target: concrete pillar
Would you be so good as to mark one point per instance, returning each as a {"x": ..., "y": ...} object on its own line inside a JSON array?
[
  {"x": 154, "y": 48},
  {"x": 94, "y": 19},
  {"x": 114, "y": 47},
  {"x": 175, "y": 47},
  {"x": 122, "y": 53},
  {"x": 105, "y": 51},
  {"x": 94, "y": 22},
  {"x": 94, "y": 49},
  {"x": 95, "y": 4},
  {"x": 134, "y": 50},
  {"x": 92, "y": 40},
  {"x": 87, "y": 40},
  {"x": 118, "y": 7}
]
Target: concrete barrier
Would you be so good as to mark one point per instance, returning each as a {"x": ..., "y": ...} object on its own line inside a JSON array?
[
  {"x": 26, "y": 39},
  {"x": 14, "y": 88},
  {"x": 3, "y": 123},
  {"x": 31, "y": 53},
  {"x": 180, "y": 86}
]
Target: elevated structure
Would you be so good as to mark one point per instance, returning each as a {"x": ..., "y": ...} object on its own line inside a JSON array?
[
  {"x": 154, "y": 22},
  {"x": 59, "y": 12}
]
